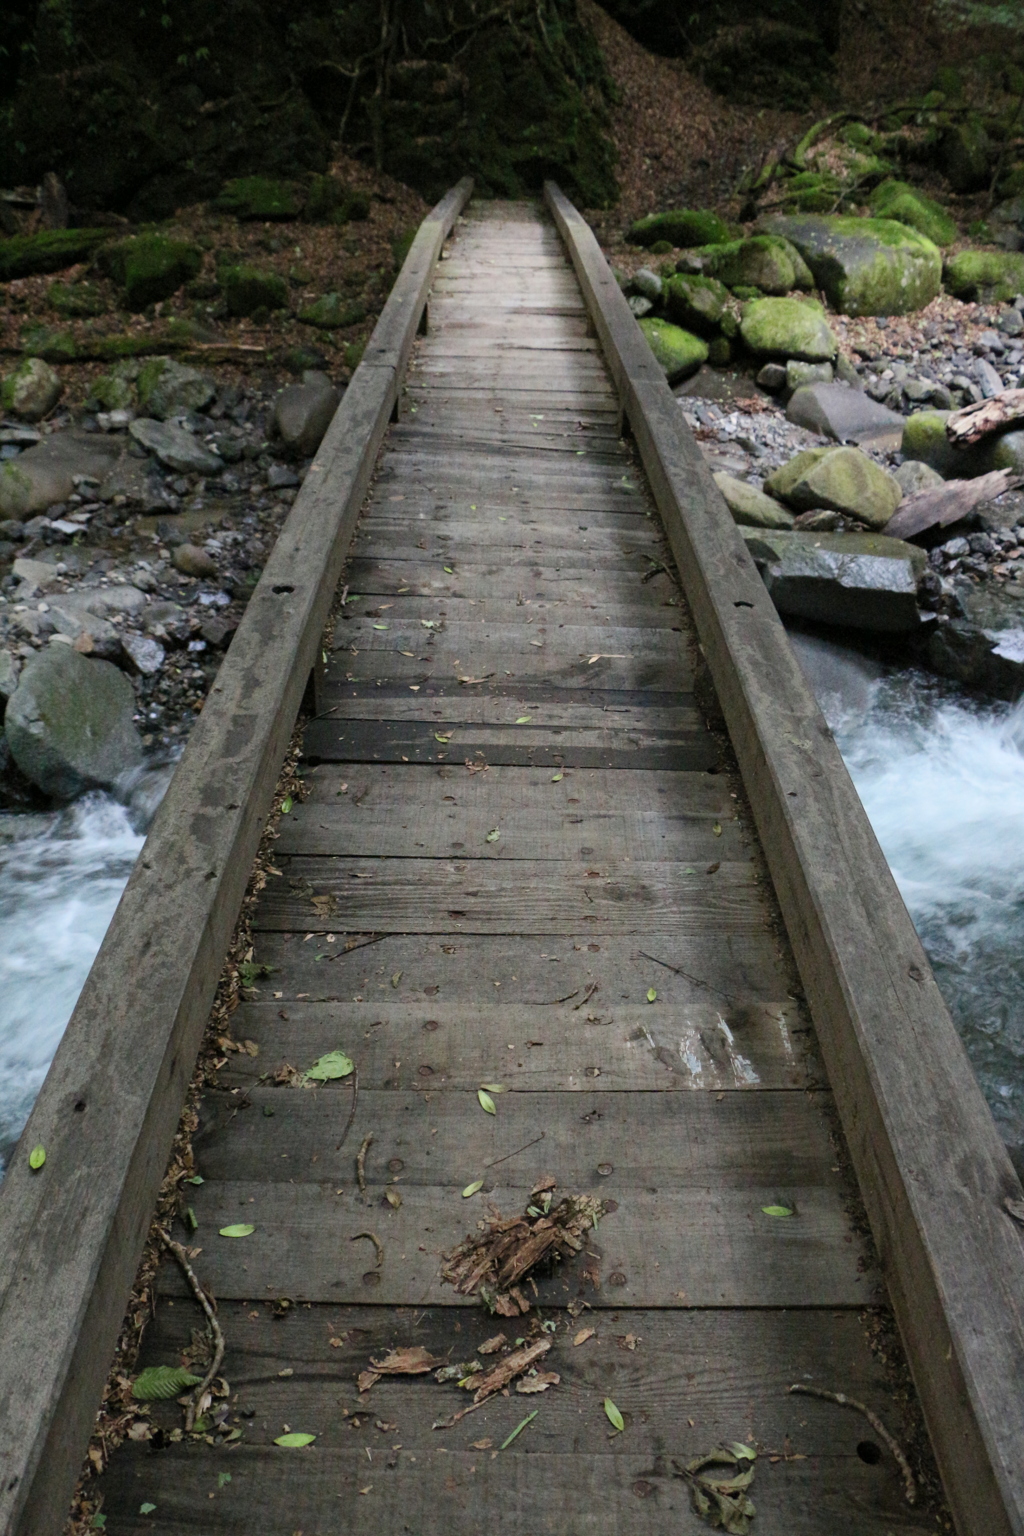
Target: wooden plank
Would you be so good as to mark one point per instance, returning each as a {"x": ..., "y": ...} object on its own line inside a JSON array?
[
  {"x": 551, "y": 706},
  {"x": 714, "y": 1245},
  {"x": 613, "y": 583},
  {"x": 425, "y": 669},
  {"x": 932, "y": 1168},
  {"x": 109, "y": 1107},
  {"x": 643, "y": 610},
  {"x": 431, "y": 896},
  {"x": 448, "y": 1489},
  {"x": 574, "y": 1047}
]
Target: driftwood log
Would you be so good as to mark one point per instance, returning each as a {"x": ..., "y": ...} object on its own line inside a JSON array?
[
  {"x": 948, "y": 503},
  {"x": 976, "y": 421}
]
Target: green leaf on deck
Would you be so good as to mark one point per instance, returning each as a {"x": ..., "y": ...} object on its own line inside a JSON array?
[
  {"x": 286, "y": 805},
  {"x": 159, "y": 1383},
  {"x": 294, "y": 1441},
  {"x": 486, "y": 1102},
  {"x": 777, "y": 1210},
  {"x": 613, "y": 1415},
  {"x": 146, "y": 1509},
  {"x": 473, "y": 1189},
  {"x": 333, "y": 1065},
  {"x": 524, "y": 719},
  {"x": 238, "y": 1229},
  {"x": 492, "y": 836},
  {"x": 651, "y": 995},
  {"x": 36, "y": 1158}
]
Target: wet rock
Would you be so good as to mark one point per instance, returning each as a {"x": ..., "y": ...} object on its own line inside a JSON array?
[
  {"x": 907, "y": 205},
  {"x": 150, "y": 267},
  {"x": 219, "y": 631},
  {"x": 750, "y": 507},
  {"x": 45, "y": 474},
  {"x": 639, "y": 306},
  {"x": 988, "y": 658},
  {"x": 695, "y": 303},
  {"x": 8, "y": 674},
  {"x": 647, "y": 284},
  {"x": 333, "y": 312},
  {"x": 836, "y": 410},
  {"x": 168, "y": 388},
  {"x": 767, "y": 262},
  {"x": 680, "y": 227},
  {"x": 145, "y": 654},
  {"x": 678, "y": 352},
  {"x": 914, "y": 477},
  {"x": 865, "y": 266},
  {"x": 924, "y": 439},
  {"x": 303, "y": 413},
  {"x": 788, "y": 328},
  {"x": 32, "y": 390},
  {"x": 773, "y": 377},
  {"x": 991, "y": 277},
  {"x": 841, "y": 480},
  {"x": 90, "y": 634},
  {"x": 849, "y": 580},
  {"x": 69, "y": 723},
  {"x": 281, "y": 478},
  {"x": 174, "y": 447},
  {"x": 247, "y": 289},
  {"x": 190, "y": 560},
  {"x": 1011, "y": 322},
  {"x": 798, "y": 374}
]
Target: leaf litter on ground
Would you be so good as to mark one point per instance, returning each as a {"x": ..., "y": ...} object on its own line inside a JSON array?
[{"x": 718, "y": 1484}]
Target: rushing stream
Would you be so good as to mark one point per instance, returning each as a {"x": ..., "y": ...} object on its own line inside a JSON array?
[{"x": 941, "y": 776}]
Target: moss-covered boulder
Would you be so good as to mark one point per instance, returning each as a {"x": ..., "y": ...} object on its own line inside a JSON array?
[
  {"x": 262, "y": 197},
  {"x": 680, "y": 227},
  {"x": 77, "y": 301},
  {"x": 865, "y": 266},
  {"x": 966, "y": 154},
  {"x": 46, "y": 342},
  {"x": 333, "y": 312},
  {"x": 925, "y": 441},
  {"x": 678, "y": 352},
  {"x": 70, "y": 723},
  {"x": 115, "y": 391},
  {"x": 695, "y": 303},
  {"x": 812, "y": 192},
  {"x": 50, "y": 251},
  {"x": 32, "y": 390},
  {"x": 248, "y": 289},
  {"x": 839, "y": 480},
  {"x": 331, "y": 201},
  {"x": 897, "y": 200},
  {"x": 788, "y": 328},
  {"x": 750, "y": 507},
  {"x": 766, "y": 262},
  {"x": 167, "y": 387},
  {"x": 993, "y": 277},
  {"x": 151, "y": 267}
]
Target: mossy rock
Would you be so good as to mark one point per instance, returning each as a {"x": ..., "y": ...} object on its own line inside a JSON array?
[
  {"x": 248, "y": 289},
  {"x": 167, "y": 387},
  {"x": 77, "y": 301},
  {"x": 262, "y": 198},
  {"x": 50, "y": 251},
  {"x": 993, "y": 277},
  {"x": 966, "y": 154},
  {"x": 925, "y": 440},
  {"x": 695, "y": 303},
  {"x": 45, "y": 342},
  {"x": 766, "y": 262},
  {"x": 151, "y": 267},
  {"x": 897, "y": 200},
  {"x": 812, "y": 192},
  {"x": 333, "y": 312},
  {"x": 679, "y": 227},
  {"x": 720, "y": 352},
  {"x": 114, "y": 391},
  {"x": 788, "y": 328},
  {"x": 841, "y": 480},
  {"x": 679, "y": 353},
  {"x": 865, "y": 266},
  {"x": 32, "y": 390},
  {"x": 331, "y": 201}
]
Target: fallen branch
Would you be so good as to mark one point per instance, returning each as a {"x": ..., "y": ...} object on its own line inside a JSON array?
[
  {"x": 216, "y": 1334},
  {"x": 352, "y": 1111},
  {"x": 361, "y": 1162},
  {"x": 948, "y": 503},
  {"x": 375, "y": 1240},
  {"x": 493, "y": 1264},
  {"x": 975, "y": 421},
  {"x": 909, "y": 1485}
]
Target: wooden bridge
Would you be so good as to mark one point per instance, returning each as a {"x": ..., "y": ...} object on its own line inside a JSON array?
[{"x": 582, "y": 887}]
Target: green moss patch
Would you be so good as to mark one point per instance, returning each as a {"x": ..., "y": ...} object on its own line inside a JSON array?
[
  {"x": 696, "y": 303},
  {"x": 788, "y": 328},
  {"x": 151, "y": 267},
  {"x": 50, "y": 251},
  {"x": 766, "y": 262},
  {"x": 992, "y": 276},
  {"x": 678, "y": 352},
  {"x": 247, "y": 289},
  {"x": 865, "y": 266},
  {"x": 262, "y": 197},
  {"x": 680, "y": 227},
  {"x": 896, "y": 200},
  {"x": 333, "y": 312}
]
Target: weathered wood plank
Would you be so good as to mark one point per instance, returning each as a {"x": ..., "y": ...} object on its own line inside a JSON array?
[
  {"x": 392, "y": 741},
  {"x": 643, "y": 609},
  {"x": 553, "y": 706},
  {"x": 436, "y": 896},
  {"x": 932, "y": 1168}
]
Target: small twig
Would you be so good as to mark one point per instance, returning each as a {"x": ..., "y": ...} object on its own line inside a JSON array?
[
  {"x": 362, "y": 940},
  {"x": 331, "y": 711},
  {"x": 451, "y": 1422},
  {"x": 680, "y": 972},
  {"x": 909, "y": 1486},
  {"x": 375, "y": 1240},
  {"x": 352, "y": 1111},
  {"x": 656, "y": 570},
  {"x": 216, "y": 1335},
  {"x": 551, "y": 1001},
  {"x": 516, "y": 1153},
  {"x": 361, "y": 1162},
  {"x": 592, "y": 987}
]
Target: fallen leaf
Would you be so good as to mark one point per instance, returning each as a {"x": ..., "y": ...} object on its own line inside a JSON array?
[
  {"x": 713, "y": 869},
  {"x": 486, "y": 1102},
  {"x": 651, "y": 995},
  {"x": 518, "y": 1429},
  {"x": 583, "y": 1335},
  {"x": 777, "y": 1210},
  {"x": 492, "y": 836},
  {"x": 286, "y": 805},
  {"x": 238, "y": 1229},
  {"x": 396, "y": 978},
  {"x": 36, "y": 1158},
  {"x": 613, "y": 1415},
  {"x": 393, "y": 1198},
  {"x": 628, "y": 1341},
  {"x": 146, "y": 1509},
  {"x": 410, "y": 1361},
  {"x": 294, "y": 1441},
  {"x": 223, "y": 1478},
  {"x": 524, "y": 719},
  {"x": 539, "y": 1382},
  {"x": 741, "y": 1451},
  {"x": 367, "y": 1379},
  {"x": 159, "y": 1383},
  {"x": 556, "y": 778},
  {"x": 482, "y": 1445},
  {"x": 473, "y": 1189},
  {"x": 716, "y": 829},
  {"x": 334, "y": 1065},
  {"x": 448, "y": 571},
  {"x": 442, "y": 738},
  {"x": 493, "y": 1087},
  {"x": 1014, "y": 1208}
]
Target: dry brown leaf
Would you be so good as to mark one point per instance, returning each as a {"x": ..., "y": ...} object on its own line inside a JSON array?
[
  {"x": 413, "y": 1361},
  {"x": 628, "y": 1341},
  {"x": 583, "y": 1335},
  {"x": 482, "y": 1445},
  {"x": 539, "y": 1382},
  {"x": 367, "y": 1379}
]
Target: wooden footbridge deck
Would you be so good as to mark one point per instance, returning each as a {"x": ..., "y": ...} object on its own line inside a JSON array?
[{"x": 525, "y": 860}]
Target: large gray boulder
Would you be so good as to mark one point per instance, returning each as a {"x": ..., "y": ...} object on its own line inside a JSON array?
[
  {"x": 840, "y": 480},
  {"x": 167, "y": 388},
  {"x": 985, "y": 649},
  {"x": 45, "y": 474},
  {"x": 865, "y": 266},
  {"x": 175, "y": 448},
  {"x": 857, "y": 581},
  {"x": 32, "y": 390},
  {"x": 836, "y": 410},
  {"x": 304, "y": 412},
  {"x": 925, "y": 441},
  {"x": 69, "y": 723}
]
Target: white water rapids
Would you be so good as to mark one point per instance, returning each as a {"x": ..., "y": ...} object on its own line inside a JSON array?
[{"x": 941, "y": 777}]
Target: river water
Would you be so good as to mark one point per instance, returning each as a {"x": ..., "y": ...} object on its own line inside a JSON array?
[{"x": 941, "y": 777}]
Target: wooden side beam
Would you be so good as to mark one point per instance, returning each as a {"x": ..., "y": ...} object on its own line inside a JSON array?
[
  {"x": 933, "y": 1171},
  {"x": 71, "y": 1235}
]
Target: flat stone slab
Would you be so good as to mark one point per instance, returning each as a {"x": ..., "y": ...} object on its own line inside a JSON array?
[
  {"x": 836, "y": 410},
  {"x": 849, "y": 580}
]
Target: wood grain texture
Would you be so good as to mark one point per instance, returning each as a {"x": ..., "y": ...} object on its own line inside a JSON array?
[
  {"x": 110, "y": 1104},
  {"x": 931, "y": 1165}
]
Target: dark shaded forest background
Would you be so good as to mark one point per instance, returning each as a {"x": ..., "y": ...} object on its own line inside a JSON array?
[{"x": 143, "y": 107}]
